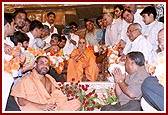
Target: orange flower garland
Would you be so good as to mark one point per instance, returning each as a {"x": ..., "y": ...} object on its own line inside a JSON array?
[
  {"x": 13, "y": 65},
  {"x": 56, "y": 60}
]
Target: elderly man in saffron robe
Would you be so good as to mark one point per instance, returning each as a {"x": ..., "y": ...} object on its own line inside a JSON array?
[
  {"x": 82, "y": 59},
  {"x": 38, "y": 91}
]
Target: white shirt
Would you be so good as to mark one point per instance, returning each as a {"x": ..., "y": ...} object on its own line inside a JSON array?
[
  {"x": 9, "y": 42},
  {"x": 47, "y": 39},
  {"x": 137, "y": 19},
  {"x": 31, "y": 40},
  {"x": 39, "y": 44},
  {"x": 152, "y": 31},
  {"x": 112, "y": 33},
  {"x": 55, "y": 29},
  {"x": 142, "y": 45},
  {"x": 124, "y": 31},
  {"x": 69, "y": 47}
]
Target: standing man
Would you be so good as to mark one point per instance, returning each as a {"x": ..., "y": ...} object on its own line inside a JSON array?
[
  {"x": 36, "y": 29},
  {"x": 113, "y": 29},
  {"x": 152, "y": 25},
  {"x": 50, "y": 22},
  {"x": 20, "y": 19},
  {"x": 72, "y": 39},
  {"x": 7, "y": 78},
  {"x": 118, "y": 10}
]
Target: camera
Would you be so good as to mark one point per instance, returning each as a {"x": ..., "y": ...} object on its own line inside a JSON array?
[{"x": 67, "y": 29}]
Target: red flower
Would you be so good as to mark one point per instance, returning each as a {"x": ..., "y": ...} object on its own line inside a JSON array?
[{"x": 75, "y": 90}]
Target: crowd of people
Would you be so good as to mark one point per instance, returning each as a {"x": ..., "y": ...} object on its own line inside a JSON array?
[{"x": 35, "y": 55}]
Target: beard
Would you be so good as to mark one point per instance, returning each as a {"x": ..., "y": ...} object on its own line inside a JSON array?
[{"x": 42, "y": 71}]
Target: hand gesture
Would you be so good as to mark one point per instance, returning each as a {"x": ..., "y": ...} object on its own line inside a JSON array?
[
  {"x": 48, "y": 107},
  {"x": 52, "y": 28},
  {"x": 118, "y": 74},
  {"x": 7, "y": 49}
]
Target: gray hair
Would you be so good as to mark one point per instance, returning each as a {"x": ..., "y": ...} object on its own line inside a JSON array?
[
  {"x": 138, "y": 57},
  {"x": 46, "y": 28},
  {"x": 136, "y": 26},
  {"x": 109, "y": 14}
]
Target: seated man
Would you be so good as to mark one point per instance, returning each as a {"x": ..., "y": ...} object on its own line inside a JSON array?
[
  {"x": 80, "y": 59},
  {"x": 128, "y": 88},
  {"x": 38, "y": 91}
]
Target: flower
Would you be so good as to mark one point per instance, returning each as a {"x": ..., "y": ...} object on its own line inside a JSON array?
[
  {"x": 12, "y": 64},
  {"x": 75, "y": 90},
  {"x": 56, "y": 61},
  {"x": 110, "y": 98},
  {"x": 31, "y": 54}
]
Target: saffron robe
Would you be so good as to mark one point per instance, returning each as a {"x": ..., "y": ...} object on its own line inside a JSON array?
[
  {"x": 31, "y": 88},
  {"x": 87, "y": 64}
]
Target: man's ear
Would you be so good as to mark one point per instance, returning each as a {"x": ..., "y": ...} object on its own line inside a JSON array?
[
  {"x": 36, "y": 29},
  {"x": 132, "y": 62},
  {"x": 35, "y": 63},
  {"x": 7, "y": 25},
  {"x": 151, "y": 15}
]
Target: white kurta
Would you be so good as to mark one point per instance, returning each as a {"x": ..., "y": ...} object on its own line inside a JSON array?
[
  {"x": 152, "y": 31},
  {"x": 32, "y": 40},
  {"x": 55, "y": 29},
  {"x": 9, "y": 42},
  {"x": 144, "y": 46},
  {"x": 69, "y": 47},
  {"x": 137, "y": 19},
  {"x": 112, "y": 33}
]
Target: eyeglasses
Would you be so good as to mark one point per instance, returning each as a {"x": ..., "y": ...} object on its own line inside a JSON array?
[{"x": 130, "y": 31}]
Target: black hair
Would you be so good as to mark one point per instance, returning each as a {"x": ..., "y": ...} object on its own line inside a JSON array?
[
  {"x": 8, "y": 18},
  {"x": 37, "y": 59},
  {"x": 49, "y": 13},
  {"x": 28, "y": 20},
  {"x": 19, "y": 37},
  {"x": 88, "y": 20},
  {"x": 19, "y": 11},
  {"x": 128, "y": 10},
  {"x": 73, "y": 23},
  {"x": 55, "y": 35},
  {"x": 98, "y": 18},
  {"x": 36, "y": 24},
  {"x": 138, "y": 57},
  {"x": 149, "y": 10},
  {"x": 62, "y": 38},
  {"x": 119, "y": 6}
]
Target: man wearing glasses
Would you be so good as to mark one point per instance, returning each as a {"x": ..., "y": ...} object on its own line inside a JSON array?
[{"x": 138, "y": 42}]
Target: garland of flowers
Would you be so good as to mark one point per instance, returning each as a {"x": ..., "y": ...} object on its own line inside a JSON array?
[
  {"x": 56, "y": 60},
  {"x": 11, "y": 66},
  {"x": 113, "y": 55}
]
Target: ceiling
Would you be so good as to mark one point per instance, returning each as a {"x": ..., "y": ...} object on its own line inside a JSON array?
[
  {"x": 29, "y": 7},
  {"x": 10, "y": 8}
]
